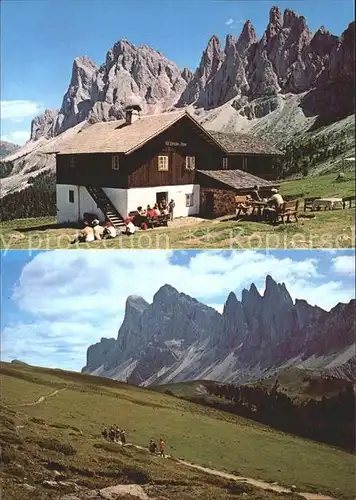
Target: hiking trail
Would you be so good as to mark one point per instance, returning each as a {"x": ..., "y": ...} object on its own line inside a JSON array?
[
  {"x": 253, "y": 482},
  {"x": 41, "y": 399}
]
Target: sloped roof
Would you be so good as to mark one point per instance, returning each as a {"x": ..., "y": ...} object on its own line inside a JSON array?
[
  {"x": 237, "y": 179},
  {"x": 117, "y": 137},
  {"x": 244, "y": 144}
]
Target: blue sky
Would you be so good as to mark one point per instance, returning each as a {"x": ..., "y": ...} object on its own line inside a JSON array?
[
  {"x": 41, "y": 38},
  {"x": 54, "y": 304}
]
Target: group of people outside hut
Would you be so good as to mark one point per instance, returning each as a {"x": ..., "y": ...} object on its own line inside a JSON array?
[
  {"x": 93, "y": 230},
  {"x": 114, "y": 434},
  {"x": 271, "y": 205},
  {"x": 160, "y": 208}
]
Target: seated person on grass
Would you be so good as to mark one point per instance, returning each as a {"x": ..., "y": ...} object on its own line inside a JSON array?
[
  {"x": 274, "y": 204},
  {"x": 130, "y": 228},
  {"x": 86, "y": 235},
  {"x": 98, "y": 230},
  {"x": 109, "y": 231}
]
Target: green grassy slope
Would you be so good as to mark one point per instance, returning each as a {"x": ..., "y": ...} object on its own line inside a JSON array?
[{"x": 205, "y": 436}]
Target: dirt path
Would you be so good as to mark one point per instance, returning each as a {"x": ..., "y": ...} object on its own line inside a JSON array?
[
  {"x": 41, "y": 399},
  {"x": 253, "y": 482}
]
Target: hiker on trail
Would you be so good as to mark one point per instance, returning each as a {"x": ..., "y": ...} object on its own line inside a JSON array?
[
  {"x": 112, "y": 434},
  {"x": 104, "y": 433},
  {"x": 171, "y": 206},
  {"x": 162, "y": 444},
  {"x": 117, "y": 433},
  {"x": 152, "y": 446},
  {"x": 123, "y": 437}
]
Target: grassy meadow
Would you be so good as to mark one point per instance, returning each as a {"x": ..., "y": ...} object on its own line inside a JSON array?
[
  {"x": 324, "y": 229},
  {"x": 63, "y": 432}
]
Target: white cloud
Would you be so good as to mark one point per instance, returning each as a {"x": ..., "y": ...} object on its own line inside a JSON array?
[
  {"x": 232, "y": 23},
  {"x": 344, "y": 264},
  {"x": 17, "y": 137},
  {"x": 75, "y": 298},
  {"x": 20, "y": 109}
]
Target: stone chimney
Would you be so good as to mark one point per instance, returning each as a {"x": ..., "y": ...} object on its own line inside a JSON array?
[
  {"x": 133, "y": 109},
  {"x": 133, "y": 114}
]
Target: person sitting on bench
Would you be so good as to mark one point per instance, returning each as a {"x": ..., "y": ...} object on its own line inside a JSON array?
[
  {"x": 157, "y": 210},
  {"x": 255, "y": 194},
  {"x": 274, "y": 203},
  {"x": 151, "y": 213}
]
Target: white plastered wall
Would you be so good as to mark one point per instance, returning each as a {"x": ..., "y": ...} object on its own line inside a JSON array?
[
  {"x": 83, "y": 202},
  {"x": 124, "y": 200},
  {"x": 147, "y": 196}
]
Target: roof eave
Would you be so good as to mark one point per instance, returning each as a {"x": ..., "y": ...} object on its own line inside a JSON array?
[{"x": 255, "y": 154}]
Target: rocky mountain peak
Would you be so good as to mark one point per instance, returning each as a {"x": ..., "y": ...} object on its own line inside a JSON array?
[
  {"x": 187, "y": 75},
  {"x": 275, "y": 22},
  {"x": 166, "y": 292},
  {"x": 248, "y": 36},
  {"x": 136, "y": 302},
  {"x": 231, "y": 302},
  {"x": 276, "y": 293},
  {"x": 292, "y": 19}
]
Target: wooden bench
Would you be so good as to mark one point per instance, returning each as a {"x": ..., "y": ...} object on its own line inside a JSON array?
[
  {"x": 308, "y": 203},
  {"x": 348, "y": 200},
  {"x": 288, "y": 209}
]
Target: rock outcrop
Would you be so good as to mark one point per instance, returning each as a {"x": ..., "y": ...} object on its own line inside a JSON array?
[
  {"x": 7, "y": 148},
  {"x": 100, "y": 93},
  {"x": 177, "y": 338}
]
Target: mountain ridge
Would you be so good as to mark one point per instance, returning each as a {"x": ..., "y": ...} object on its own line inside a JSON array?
[
  {"x": 177, "y": 338},
  {"x": 277, "y": 86}
]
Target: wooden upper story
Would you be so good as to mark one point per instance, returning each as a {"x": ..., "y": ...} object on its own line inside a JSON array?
[{"x": 147, "y": 154}]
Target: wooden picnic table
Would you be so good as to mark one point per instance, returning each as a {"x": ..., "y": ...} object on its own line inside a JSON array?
[
  {"x": 327, "y": 203},
  {"x": 257, "y": 207}
]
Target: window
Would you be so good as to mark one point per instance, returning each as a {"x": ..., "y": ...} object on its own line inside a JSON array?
[
  {"x": 225, "y": 163},
  {"x": 244, "y": 163},
  {"x": 71, "y": 196},
  {"x": 189, "y": 200},
  {"x": 72, "y": 161},
  {"x": 115, "y": 162},
  {"x": 162, "y": 163},
  {"x": 190, "y": 162}
]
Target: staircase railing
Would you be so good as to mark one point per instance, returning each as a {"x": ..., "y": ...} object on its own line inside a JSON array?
[{"x": 105, "y": 205}]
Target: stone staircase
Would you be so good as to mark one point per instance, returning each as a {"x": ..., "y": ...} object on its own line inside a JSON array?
[{"x": 104, "y": 204}]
